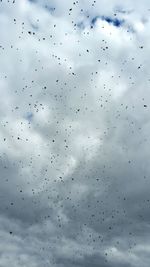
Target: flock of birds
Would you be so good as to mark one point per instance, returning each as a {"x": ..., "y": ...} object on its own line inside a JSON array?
[{"x": 68, "y": 126}]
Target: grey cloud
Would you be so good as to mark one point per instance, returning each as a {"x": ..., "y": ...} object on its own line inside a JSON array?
[{"x": 74, "y": 158}]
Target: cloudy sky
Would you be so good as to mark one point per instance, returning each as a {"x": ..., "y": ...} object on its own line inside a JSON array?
[{"x": 74, "y": 133}]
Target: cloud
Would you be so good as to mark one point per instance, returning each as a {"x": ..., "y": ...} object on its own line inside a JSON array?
[{"x": 74, "y": 137}]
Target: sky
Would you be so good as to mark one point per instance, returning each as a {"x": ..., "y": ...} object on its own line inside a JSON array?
[{"x": 74, "y": 133}]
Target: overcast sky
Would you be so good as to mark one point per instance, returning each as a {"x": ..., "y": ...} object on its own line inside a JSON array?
[{"x": 74, "y": 133}]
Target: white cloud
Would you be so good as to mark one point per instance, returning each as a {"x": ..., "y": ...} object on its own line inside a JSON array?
[{"x": 74, "y": 136}]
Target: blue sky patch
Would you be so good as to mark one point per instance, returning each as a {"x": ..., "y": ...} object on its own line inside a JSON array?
[
  {"x": 49, "y": 8},
  {"x": 81, "y": 25},
  {"x": 33, "y": 1},
  {"x": 115, "y": 21},
  {"x": 29, "y": 116}
]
